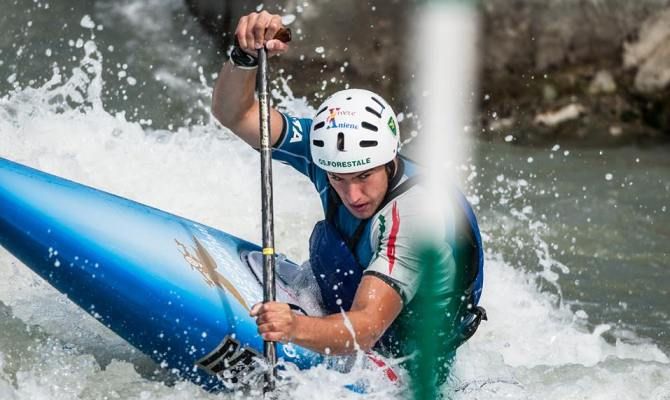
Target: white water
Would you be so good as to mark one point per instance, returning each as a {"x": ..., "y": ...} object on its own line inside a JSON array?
[{"x": 532, "y": 346}]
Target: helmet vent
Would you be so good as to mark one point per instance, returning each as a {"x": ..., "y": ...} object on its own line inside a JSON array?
[
  {"x": 369, "y": 126},
  {"x": 368, "y": 143},
  {"x": 319, "y": 125},
  {"x": 317, "y": 143},
  {"x": 321, "y": 110},
  {"x": 376, "y": 100},
  {"x": 340, "y": 141},
  {"x": 372, "y": 111}
]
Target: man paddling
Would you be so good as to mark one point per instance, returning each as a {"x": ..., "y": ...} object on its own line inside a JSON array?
[{"x": 363, "y": 254}]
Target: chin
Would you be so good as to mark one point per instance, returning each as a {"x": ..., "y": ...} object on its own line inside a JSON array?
[{"x": 362, "y": 214}]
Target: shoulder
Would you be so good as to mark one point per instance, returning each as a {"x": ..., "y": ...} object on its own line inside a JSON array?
[
  {"x": 409, "y": 216},
  {"x": 295, "y": 131},
  {"x": 406, "y": 205}
]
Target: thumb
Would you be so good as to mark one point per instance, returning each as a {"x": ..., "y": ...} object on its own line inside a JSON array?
[
  {"x": 275, "y": 46},
  {"x": 255, "y": 309}
]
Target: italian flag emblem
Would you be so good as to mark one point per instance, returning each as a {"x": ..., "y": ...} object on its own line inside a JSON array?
[{"x": 393, "y": 235}]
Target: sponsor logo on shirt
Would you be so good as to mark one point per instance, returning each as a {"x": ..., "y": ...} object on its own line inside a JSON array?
[{"x": 297, "y": 131}]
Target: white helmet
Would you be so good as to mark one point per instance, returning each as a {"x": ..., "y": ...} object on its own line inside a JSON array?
[{"x": 354, "y": 130}]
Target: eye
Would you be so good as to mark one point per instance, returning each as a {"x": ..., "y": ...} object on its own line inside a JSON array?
[
  {"x": 364, "y": 176},
  {"x": 334, "y": 178}
]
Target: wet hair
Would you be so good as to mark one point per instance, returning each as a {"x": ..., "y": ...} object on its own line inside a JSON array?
[{"x": 390, "y": 169}]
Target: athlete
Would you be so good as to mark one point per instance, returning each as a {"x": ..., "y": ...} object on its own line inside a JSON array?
[{"x": 363, "y": 254}]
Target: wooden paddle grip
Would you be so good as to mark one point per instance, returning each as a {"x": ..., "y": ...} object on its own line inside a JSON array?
[{"x": 284, "y": 34}]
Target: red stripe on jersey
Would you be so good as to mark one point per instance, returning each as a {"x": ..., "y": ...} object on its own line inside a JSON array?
[
  {"x": 390, "y": 373},
  {"x": 395, "y": 226}
]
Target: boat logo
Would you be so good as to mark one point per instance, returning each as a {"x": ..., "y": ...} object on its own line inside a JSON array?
[
  {"x": 230, "y": 360},
  {"x": 201, "y": 261}
]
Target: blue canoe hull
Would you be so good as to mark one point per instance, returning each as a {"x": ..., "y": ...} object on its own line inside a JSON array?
[{"x": 177, "y": 290}]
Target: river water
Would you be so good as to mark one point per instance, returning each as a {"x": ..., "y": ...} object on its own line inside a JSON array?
[{"x": 115, "y": 95}]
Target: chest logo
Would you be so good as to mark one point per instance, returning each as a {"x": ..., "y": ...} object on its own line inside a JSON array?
[{"x": 297, "y": 131}]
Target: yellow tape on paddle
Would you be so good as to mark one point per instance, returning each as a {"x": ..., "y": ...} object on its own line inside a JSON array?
[{"x": 268, "y": 251}]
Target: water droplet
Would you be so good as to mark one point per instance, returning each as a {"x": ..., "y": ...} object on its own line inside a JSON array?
[{"x": 87, "y": 22}]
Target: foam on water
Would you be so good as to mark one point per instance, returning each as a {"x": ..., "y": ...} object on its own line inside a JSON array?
[{"x": 533, "y": 345}]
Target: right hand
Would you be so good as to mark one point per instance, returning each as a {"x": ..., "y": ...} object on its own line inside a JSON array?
[{"x": 258, "y": 29}]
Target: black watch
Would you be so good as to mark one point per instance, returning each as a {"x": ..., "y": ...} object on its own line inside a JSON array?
[{"x": 242, "y": 59}]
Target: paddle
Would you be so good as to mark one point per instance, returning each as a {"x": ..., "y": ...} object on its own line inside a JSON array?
[{"x": 269, "y": 289}]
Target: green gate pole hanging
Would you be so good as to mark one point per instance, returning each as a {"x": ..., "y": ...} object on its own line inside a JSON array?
[{"x": 445, "y": 36}]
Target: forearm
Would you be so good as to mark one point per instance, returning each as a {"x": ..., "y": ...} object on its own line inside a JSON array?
[
  {"x": 233, "y": 100},
  {"x": 376, "y": 306},
  {"x": 331, "y": 335}
]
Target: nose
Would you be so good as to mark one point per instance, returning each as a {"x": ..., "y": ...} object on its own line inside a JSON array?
[{"x": 353, "y": 193}]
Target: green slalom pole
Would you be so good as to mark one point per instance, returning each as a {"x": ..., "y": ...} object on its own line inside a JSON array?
[
  {"x": 431, "y": 357},
  {"x": 446, "y": 33}
]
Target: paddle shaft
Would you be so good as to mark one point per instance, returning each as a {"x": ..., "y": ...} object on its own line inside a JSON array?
[{"x": 269, "y": 289}]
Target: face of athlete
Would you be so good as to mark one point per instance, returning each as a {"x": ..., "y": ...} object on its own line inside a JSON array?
[{"x": 361, "y": 192}]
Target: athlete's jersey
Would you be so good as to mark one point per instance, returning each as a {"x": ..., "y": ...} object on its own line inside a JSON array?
[{"x": 387, "y": 248}]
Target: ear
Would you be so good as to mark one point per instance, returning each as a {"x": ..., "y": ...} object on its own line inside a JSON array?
[{"x": 390, "y": 168}]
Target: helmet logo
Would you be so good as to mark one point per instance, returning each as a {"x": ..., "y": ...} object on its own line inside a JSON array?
[
  {"x": 330, "y": 120},
  {"x": 333, "y": 113},
  {"x": 392, "y": 126},
  {"x": 345, "y": 164}
]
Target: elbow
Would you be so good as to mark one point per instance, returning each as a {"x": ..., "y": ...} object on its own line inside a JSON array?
[
  {"x": 367, "y": 342},
  {"x": 218, "y": 111},
  {"x": 227, "y": 119},
  {"x": 367, "y": 346}
]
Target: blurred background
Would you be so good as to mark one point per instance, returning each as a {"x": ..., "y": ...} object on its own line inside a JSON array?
[{"x": 569, "y": 172}]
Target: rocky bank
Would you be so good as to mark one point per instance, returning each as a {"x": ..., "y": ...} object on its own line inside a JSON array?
[{"x": 579, "y": 72}]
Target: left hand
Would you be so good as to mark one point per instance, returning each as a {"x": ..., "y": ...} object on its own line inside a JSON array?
[{"x": 276, "y": 321}]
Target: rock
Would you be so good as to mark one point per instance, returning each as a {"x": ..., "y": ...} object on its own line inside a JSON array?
[
  {"x": 564, "y": 56},
  {"x": 549, "y": 92},
  {"x": 553, "y": 118},
  {"x": 220, "y": 17},
  {"x": 602, "y": 83},
  {"x": 616, "y": 130},
  {"x": 650, "y": 54}
]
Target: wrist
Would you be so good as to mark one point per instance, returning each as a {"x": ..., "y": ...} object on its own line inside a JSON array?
[
  {"x": 298, "y": 331},
  {"x": 243, "y": 60}
]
